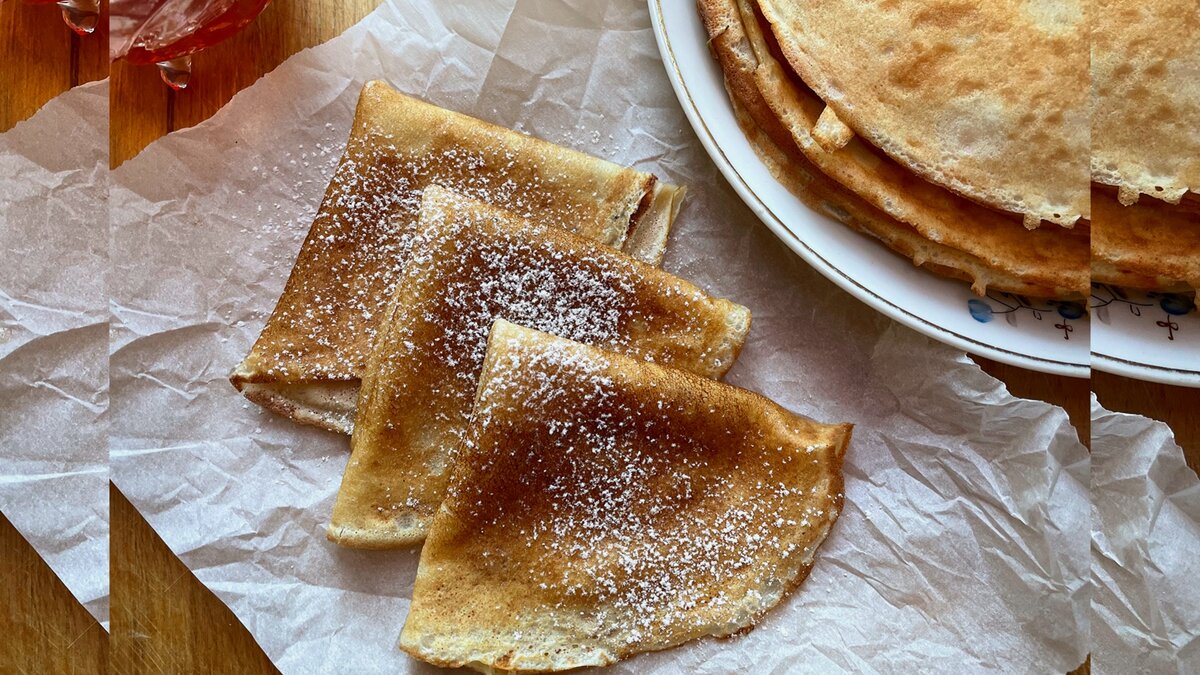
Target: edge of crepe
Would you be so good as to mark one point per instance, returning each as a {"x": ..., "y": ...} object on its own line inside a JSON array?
[
  {"x": 409, "y": 525},
  {"x": 376, "y": 539},
  {"x": 644, "y": 237},
  {"x": 930, "y": 255},
  {"x": 1135, "y": 187},
  {"x": 1063, "y": 215},
  {"x": 648, "y": 230},
  {"x": 857, "y": 212},
  {"x": 1128, "y": 269},
  {"x": 608, "y": 655},
  {"x": 326, "y": 405}
]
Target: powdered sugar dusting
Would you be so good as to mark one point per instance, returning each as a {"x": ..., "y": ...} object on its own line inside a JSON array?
[
  {"x": 643, "y": 509},
  {"x": 359, "y": 242},
  {"x": 469, "y": 265}
]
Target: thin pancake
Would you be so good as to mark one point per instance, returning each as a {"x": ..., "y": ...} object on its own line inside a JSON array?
[
  {"x": 1150, "y": 245},
  {"x": 470, "y": 264},
  {"x": 313, "y": 347},
  {"x": 1146, "y": 97},
  {"x": 603, "y": 506},
  {"x": 775, "y": 146},
  {"x": 989, "y": 99},
  {"x": 1047, "y": 257},
  {"x": 816, "y": 190}
]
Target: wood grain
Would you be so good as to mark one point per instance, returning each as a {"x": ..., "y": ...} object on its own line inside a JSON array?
[
  {"x": 163, "y": 619},
  {"x": 1179, "y": 407},
  {"x": 43, "y": 628},
  {"x": 144, "y": 109},
  {"x": 90, "y": 53},
  {"x": 138, "y": 110},
  {"x": 40, "y": 58},
  {"x": 35, "y": 57},
  {"x": 1069, "y": 393}
]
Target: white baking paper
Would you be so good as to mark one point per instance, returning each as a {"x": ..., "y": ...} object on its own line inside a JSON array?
[
  {"x": 54, "y": 337},
  {"x": 964, "y": 542},
  {"x": 1145, "y": 549}
]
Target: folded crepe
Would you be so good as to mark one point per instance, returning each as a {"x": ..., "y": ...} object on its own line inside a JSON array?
[
  {"x": 988, "y": 247},
  {"x": 988, "y": 99},
  {"x": 469, "y": 264},
  {"x": 309, "y": 359},
  {"x": 1150, "y": 245},
  {"x": 603, "y": 506},
  {"x": 1146, "y": 102}
]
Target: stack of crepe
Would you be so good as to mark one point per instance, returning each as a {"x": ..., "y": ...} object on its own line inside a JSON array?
[
  {"x": 470, "y": 264},
  {"x": 308, "y": 362},
  {"x": 1146, "y": 144},
  {"x": 956, "y": 133},
  {"x": 584, "y": 486}
]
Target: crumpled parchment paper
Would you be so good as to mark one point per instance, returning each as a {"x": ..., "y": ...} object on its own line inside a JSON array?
[
  {"x": 964, "y": 542},
  {"x": 1145, "y": 548},
  {"x": 54, "y": 337}
]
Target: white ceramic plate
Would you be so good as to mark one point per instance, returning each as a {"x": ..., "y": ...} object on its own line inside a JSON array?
[
  {"x": 1047, "y": 336},
  {"x": 1149, "y": 336}
]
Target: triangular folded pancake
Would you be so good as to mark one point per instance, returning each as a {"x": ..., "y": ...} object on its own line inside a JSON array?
[
  {"x": 470, "y": 264},
  {"x": 602, "y": 506},
  {"x": 309, "y": 358},
  {"x": 989, "y": 99},
  {"x": 1048, "y": 258},
  {"x": 1151, "y": 245},
  {"x": 1146, "y": 97}
]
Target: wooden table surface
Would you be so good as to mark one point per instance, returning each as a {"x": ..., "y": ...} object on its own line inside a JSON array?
[
  {"x": 163, "y": 618},
  {"x": 40, "y": 58},
  {"x": 43, "y": 629}
]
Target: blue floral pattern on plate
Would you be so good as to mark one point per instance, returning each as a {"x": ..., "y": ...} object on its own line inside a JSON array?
[
  {"x": 1013, "y": 307},
  {"x": 1149, "y": 305}
]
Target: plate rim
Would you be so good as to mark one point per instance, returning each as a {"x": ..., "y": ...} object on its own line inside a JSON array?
[
  {"x": 843, "y": 280},
  {"x": 1118, "y": 361},
  {"x": 1146, "y": 372}
]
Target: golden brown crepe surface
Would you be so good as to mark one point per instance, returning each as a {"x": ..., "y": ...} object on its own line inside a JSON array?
[
  {"x": 320, "y": 331},
  {"x": 471, "y": 263},
  {"x": 1151, "y": 245},
  {"x": 989, "y": 99},
  {"x": 985, "y": 246},
  {"x": 604, "y": 506},
  {"x": 1146, "y": 97}
]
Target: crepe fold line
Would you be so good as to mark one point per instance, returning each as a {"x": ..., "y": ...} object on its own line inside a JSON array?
[
  {"x": 988, "y": 99},
  {"x": 951, "y": 236},
  {"x": 469, "y": 264},
  {"x": 603, "y": 506},
  {"x": 309, "y": 358},
  {"x": 1146, "y": 97},
  {"x": 1150, "y": 245}
]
